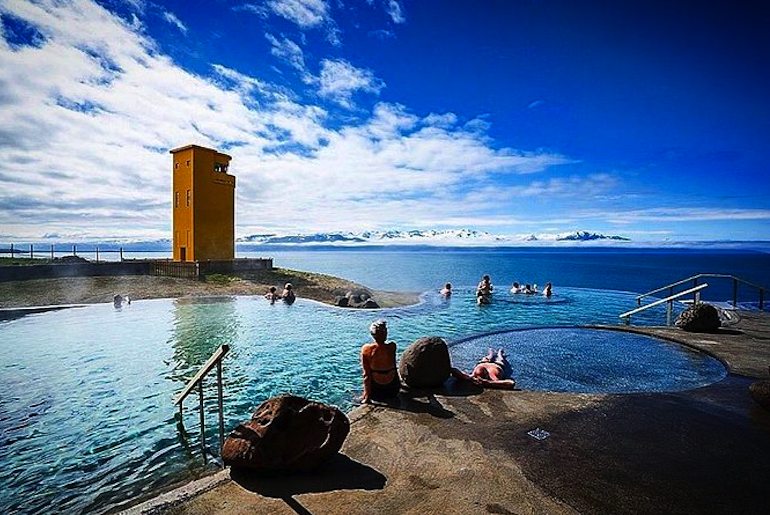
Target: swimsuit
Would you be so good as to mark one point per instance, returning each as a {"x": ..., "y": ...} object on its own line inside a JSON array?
[{"x": 381, "y": 392}]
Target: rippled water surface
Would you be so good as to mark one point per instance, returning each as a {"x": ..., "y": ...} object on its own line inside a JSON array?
[{"x": 86, "y": 418}]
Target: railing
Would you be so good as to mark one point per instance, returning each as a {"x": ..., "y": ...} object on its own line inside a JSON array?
[
  {"x": 181, "y": 269},
  {"x": 695, "y": 278},
  {"x": 669, "y": 306},
  {"x": 197, "y": 380}
]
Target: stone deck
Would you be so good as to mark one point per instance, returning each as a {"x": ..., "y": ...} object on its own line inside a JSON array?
[{"x": 463, "y": 450}]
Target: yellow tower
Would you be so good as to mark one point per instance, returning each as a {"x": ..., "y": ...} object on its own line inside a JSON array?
[{"x": 203, "y": 205}]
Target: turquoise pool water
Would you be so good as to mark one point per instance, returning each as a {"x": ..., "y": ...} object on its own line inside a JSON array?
[{"x": 86, "y": 419}]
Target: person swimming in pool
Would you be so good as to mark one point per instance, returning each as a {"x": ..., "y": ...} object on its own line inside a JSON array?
[
  {"x": 272, "y": 295},
  {"x": 548, "y": 290},
  {"x": 288, "y": 294},
  {"x": 492, "y": 371},
  {"x": 378, "y": 361}
]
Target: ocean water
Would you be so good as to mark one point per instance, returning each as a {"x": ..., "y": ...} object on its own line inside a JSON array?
[
  {"x": 632, "y": 270},
  {"x": 86, "y": 419}
]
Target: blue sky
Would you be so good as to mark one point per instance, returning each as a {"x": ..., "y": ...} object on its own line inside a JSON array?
[{"x": 649, "y": 120}]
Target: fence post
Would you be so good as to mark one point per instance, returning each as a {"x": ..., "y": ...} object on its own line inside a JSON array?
[
  {"x": 97, "y": 253},
  {"x": 221, "y": 407},
  {"x": 52, "y": 256},
  {"x": 669, "y": 310},
  {"x": 74, "y": 250},
  {"x": 696, "y": 295},
  {"x": 12, "y": 254},
  {"x": 203, "y": 427},
  {"x": 735, "y": 292},
  {"x": 31, "y": 251},
  {"x": 121, "y": 254}
]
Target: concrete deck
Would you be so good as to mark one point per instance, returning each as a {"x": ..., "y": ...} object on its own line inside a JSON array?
[{"x": 463, "y": 450}]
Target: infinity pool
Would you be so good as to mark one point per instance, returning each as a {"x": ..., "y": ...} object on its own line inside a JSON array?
[{"x": 86, "y": 418}]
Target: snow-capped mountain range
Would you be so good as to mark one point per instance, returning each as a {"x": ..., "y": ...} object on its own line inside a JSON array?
[{"x": 451, "y": 237}]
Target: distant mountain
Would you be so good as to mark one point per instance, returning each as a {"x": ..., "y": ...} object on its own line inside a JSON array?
[
  {"x": 589, "y": 236},
  {"x": 449, "y": 237},
  {"x": 413, "y": 237}
]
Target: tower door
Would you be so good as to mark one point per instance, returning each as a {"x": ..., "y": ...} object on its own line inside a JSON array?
[{"x": 182, "y": 253}]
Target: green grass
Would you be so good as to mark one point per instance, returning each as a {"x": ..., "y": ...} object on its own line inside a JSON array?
[
  {"x": 220, "y": 279},
  {"x": 6, "y": 261}
]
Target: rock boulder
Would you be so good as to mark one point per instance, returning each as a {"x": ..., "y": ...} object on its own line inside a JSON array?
[
  {"x": 699, "y": 318},
  {"x": 286, "y": 433},
  {"x": 425, "y": 363},
  {"x": 760, "y": 392}
]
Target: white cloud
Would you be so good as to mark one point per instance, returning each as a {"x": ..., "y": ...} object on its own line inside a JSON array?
[
  {"x": 305, "y": 13},
  {"x": 176, "y": 22},
  {"x": 85, "y": 144},
  {"x": 339, "y": 80},
  {"x": 684, "y": 214},
  {"x": 395, "y": 11},
  {"x": 288, "y": 51}
]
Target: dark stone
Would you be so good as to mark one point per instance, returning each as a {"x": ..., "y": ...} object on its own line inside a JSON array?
[
  {"x": 425, "y": 363},
  {"x": 699, "y": 318},
  {"x": 370, "y": 304},
  {"x": 760, "y": 392},
  {"x": 71, "y": 259},
  {"x": 286, "y": 433},
  {"x": 341, "y": 302}
]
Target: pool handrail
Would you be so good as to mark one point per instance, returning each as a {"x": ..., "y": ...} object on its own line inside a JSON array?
[
  {"x": 214, "y": 360},
  {"x": 695, "y": 278},
  {"x": 669, "y": 300}
]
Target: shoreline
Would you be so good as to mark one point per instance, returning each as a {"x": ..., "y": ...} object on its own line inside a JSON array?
[{"x": 36, "y": 293}]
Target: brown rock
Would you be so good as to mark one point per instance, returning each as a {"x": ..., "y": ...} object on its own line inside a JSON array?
[
  {"x": 760, "y": 392},
  {"x": 286, "y": 433},
  {"x": 699, "y": 318},
  {"x": 425, "y": 363}
]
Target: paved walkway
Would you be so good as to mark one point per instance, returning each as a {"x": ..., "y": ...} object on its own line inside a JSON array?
[{"x": 462, "y": 450}]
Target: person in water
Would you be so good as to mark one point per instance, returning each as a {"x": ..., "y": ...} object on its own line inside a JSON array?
[
  {"x": 378, "y": 361},
  {"x": 548, "y": 290},
  {"x": 482, "y": 299},
  {"x": 485, "y": 286},
  {"x": 516, "y": 288},
  {"x": 492, "y": 371},
  {"x": 288, "y": 294},
  {"x": 446, "y": 291},
  {"x": 272, "y": 295}
]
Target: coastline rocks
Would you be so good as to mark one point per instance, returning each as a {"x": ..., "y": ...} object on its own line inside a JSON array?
[
  {"x": 699, "y": 318},
  {"x": 425, "y": 363},
  {"x": 286, "y": 434},
  {"x": 357, "y": 299},
  {"x": 760, "y": 392}
]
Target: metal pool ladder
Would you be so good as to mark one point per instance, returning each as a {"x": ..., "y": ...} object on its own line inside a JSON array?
[
  {"x": 669, "y": 304},
  {"x": 197, "y": 380},
  {"x": 695, "y": 291}
]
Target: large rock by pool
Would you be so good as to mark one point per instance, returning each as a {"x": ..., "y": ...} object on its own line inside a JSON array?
[
  {"x": 425, "y": 363},
  {"x": 699, "y": 318},
  {"x": 286, "y": 433}
]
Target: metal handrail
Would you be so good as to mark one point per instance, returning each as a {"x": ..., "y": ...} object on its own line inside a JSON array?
[
  {"x": 214, "y": 360},
  {"x": 670, "y": 300},
  {"x": 695, "y": 278}
]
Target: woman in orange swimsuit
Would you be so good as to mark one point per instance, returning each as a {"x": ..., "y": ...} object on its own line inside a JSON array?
[{"x": 378, "y": 360}]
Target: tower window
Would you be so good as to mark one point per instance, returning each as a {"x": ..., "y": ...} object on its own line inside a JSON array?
[
  {"x": 188, "y": 198},
  {"x": 176, "y": 199},
  {"x": 176, "y": 165},
  {"x": 188, "y": 163}
]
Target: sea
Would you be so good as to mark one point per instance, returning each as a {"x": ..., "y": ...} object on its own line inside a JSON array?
[{"x": 632, "y": 270}]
